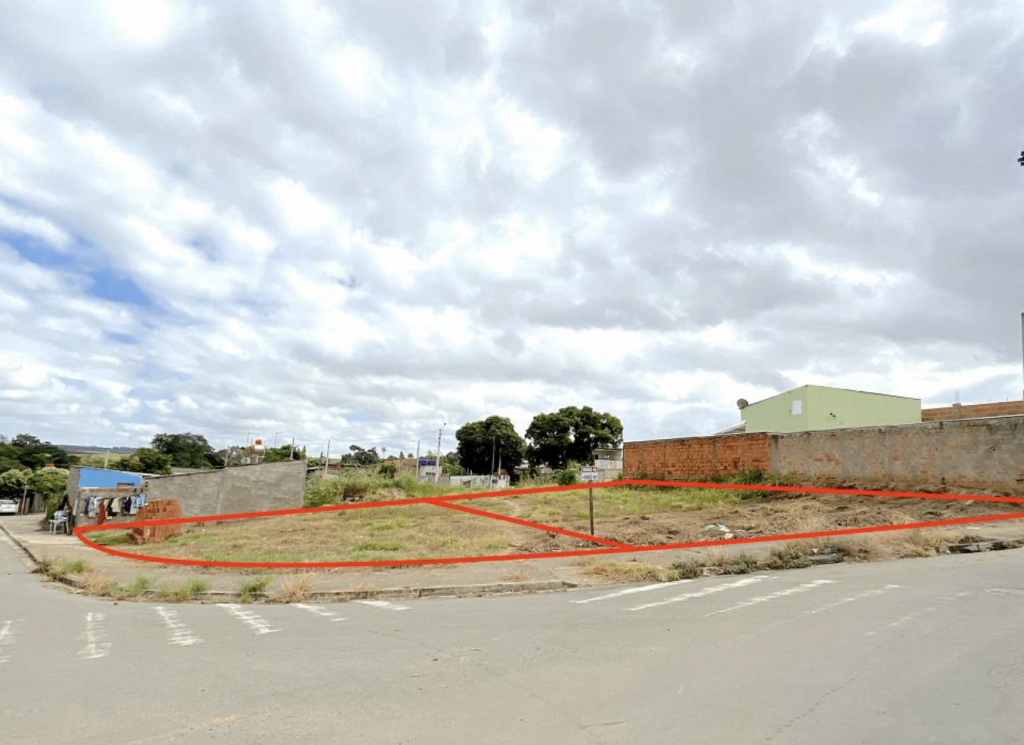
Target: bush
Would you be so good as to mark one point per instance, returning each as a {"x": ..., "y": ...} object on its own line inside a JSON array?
[
  {"x": 251, "y": 587},
  {"x": 686, "y": 570},
  {"x": 388, "y": 470},
  {"x": 566, "y": 477}
]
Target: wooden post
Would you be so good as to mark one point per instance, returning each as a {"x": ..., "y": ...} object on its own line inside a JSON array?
[{"x": 591, "y": 490}]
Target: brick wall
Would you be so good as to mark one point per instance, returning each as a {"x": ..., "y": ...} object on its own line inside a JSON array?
[
  {"x": 968, "y": 411},
  {"x": 969, "y": 454},
  {"x": 695, "y": 457},
  {"x": 972, "y": 454}
]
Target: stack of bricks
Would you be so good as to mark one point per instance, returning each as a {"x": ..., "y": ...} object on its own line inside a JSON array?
[
  {"x": 161, "y": 509},
  {"x": 696, "y": 458}
]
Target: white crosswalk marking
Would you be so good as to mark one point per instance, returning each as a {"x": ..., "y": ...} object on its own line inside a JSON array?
[
  {"x": 7, "y": 638},
  {"x": 256, "y": 623},
  {"x": 383, "y": 604},
  {"x": 633, "y": 591},
  {"x": 805, "y": 587},
  {"x": 904, "y": 619},
  {"x": 705, "y": 592},
  {"x": 319, "y": 610},
  {"x": 178, "y": 632},
  {"x": 853, "y": 598},
  {"x": 93, "y": 636}
]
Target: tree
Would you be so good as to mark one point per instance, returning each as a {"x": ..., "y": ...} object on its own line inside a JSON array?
[
  {"x": 28, "y": 451},
  {"x": 275, "y": 455},
  {"x": 51, "y": 483},
  {"x": 495, "y": 434},
  {"x": 361, "y": 456},
  {"x": 186, "y": 450},
  {"x": 571, "y": 434},
  {"x": 145, "y": 460},
  {"x": 13, "y": 482}
]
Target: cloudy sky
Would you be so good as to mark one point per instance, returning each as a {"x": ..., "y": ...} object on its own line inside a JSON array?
[{"x": 359, "y": 220}]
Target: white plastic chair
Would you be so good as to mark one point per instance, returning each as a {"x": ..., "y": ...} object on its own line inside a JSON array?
[{"x": 59, "y": 521}]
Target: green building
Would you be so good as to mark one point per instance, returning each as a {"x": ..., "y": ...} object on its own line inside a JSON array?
[{"x": 814, "y": 407}]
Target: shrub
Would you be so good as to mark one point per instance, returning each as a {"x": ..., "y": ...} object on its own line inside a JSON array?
[
  {"x": 566, "y": 477},
  {"x": 388, "y": 470},
  {"x": 790, "y": 556},
  {"x": 686, "y": 570},
  {"x": 254, "y": 586}
]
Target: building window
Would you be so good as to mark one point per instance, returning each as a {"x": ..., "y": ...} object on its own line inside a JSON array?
[{"x": 797, "y": 407}]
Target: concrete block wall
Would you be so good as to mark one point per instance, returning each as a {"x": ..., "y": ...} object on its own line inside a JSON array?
[
  {"x": 696, "y": 457},
  {"x": 969, "y": 454},
  {"x": 257, "y": 488}
]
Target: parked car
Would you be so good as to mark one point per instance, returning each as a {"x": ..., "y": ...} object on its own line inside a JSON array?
[{"x": 8, "y": 507}]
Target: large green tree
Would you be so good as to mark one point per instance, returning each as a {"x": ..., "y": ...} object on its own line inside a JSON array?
[
  {"x": 571, "y": 434},
  {"x": 187, "y": 450},
  {"x": 13, "y": 482},
  {"x": 27, "y": 451},
  {"x": 495, "y": 434},
  {"x": 145, "y": 460}
]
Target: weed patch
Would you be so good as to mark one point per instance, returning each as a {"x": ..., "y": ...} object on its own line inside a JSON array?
[{"x": 252, "y": 587}]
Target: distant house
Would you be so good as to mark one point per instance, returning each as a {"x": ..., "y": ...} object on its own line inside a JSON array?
[
  {"x": 817, "y": 407},
  {"x": 608, "y": 461}
]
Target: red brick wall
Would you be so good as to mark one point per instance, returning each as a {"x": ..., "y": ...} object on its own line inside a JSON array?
[
  {"x": 696, "y": 457},
  {"x": 969, "y": 411}
]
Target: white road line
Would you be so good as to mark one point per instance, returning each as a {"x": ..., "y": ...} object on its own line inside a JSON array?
[
  {"x": 852, "y": 598},
  {"x": 384, "y": 604},
  {"x": 903, "y": 620},
  {"x": 705, "y": 592},
  {"x": 1005, "y": 591},
  {"x": 7, "y": 638},
  {"x": 93, "y": 636},
  {"x": 805, "y": 587},
  {"x": 256, "y": 623},
  {"x": 320, "y": 611},
  {"x": 633, "y": 590},
  {"x": 178, "y": 632}
]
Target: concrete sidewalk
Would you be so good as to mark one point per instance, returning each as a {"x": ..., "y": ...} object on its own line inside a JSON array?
[{"x": 469, "y": 579}]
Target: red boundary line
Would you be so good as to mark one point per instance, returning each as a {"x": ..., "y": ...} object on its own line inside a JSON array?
[
  {"x": 441, "y": 502},
  {"x": 528, "y": 524}
]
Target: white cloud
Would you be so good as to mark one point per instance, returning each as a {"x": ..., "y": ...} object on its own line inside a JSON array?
[{"x": 336, "y": 222}]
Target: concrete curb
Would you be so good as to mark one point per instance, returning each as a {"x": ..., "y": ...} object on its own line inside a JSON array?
[{"x": 26, "y": 557}]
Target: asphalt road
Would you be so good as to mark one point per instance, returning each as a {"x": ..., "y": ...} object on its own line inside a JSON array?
[{"x": 915, "y": 651}]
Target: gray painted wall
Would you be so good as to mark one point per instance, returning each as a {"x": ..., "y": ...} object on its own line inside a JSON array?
[
  {"x": 267, "y": 486},
  {"x": 986, "y": 454}
]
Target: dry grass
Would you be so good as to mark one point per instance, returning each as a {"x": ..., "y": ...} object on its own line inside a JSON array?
[
  {"x": 381, "y": 534},
  {"x": 862, "y": 548},
  {"x": 295, "y": 588},
  {"x": 628, "y": 571},
  {"x": 916, "y": 543},
  {"x": 814, "y": 523},
  {"x": 514, "y": 577}
]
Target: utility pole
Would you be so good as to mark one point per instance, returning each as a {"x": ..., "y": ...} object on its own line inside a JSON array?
[
  {"x": 437, "y": 468},
  {"x": 327, "y": 460},
  {"x": 291, "y": 453},
  {"x": 1022, "y": 321}
]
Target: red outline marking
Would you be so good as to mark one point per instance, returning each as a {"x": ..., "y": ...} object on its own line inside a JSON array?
[
  {"x": 615, "y": 548},
  {"x": 528, "y": 524}
]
